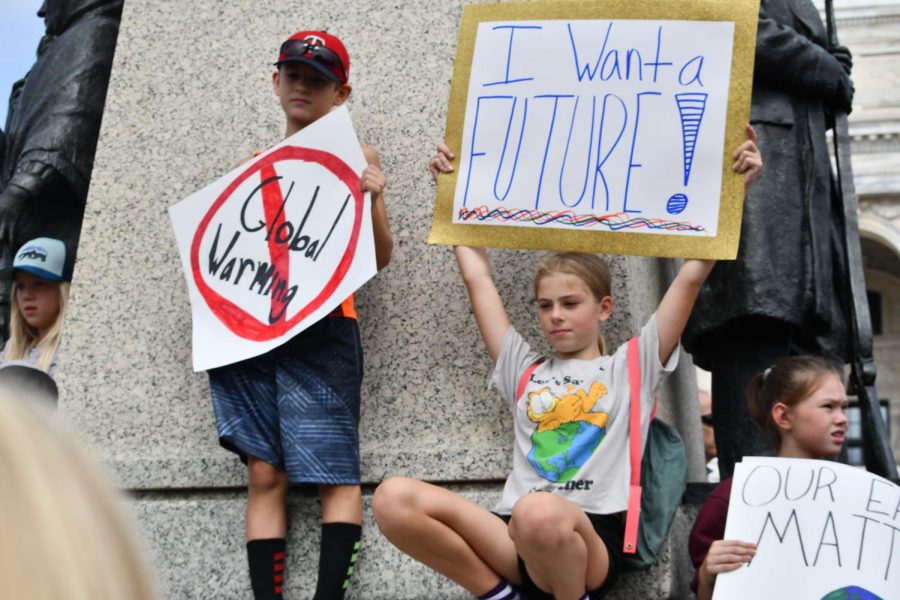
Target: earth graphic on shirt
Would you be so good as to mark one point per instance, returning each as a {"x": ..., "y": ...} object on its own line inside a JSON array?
[{"x": 558, "y": 454}]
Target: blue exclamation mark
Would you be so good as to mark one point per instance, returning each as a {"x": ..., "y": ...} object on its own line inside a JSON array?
[{"x": 691, "y": 107}]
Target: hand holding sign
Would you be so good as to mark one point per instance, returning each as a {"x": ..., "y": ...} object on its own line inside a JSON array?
[
  {"x": 724, "y": 556},
  {"x": 728, "y": 555},
  {"x": 747, "y": 158},
  {"x": 279, "y": 242},
  {"x": 372, "y": 180},
  {"x": 440, "y": 162}
]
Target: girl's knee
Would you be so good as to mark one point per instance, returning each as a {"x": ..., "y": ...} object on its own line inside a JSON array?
[
  {"x": 265, "y": 478},
  {"x": 393, "y": 498},
  {"x": 535, "y": 509},
  {"x": 536, "y": 521}
]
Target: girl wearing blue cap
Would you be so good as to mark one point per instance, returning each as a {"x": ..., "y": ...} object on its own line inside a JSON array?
[{"x": 40, "y": 293}]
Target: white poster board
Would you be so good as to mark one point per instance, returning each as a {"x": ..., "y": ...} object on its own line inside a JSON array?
[
  {"x": 600, "y": 124},
  {"x": 823, "y": 531},
  {"x": 276, "y": 244}
]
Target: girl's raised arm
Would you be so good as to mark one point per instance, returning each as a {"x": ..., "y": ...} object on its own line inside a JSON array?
[
  {"x": 675, "y": 307},
  {"x": 475, "y": 268}
]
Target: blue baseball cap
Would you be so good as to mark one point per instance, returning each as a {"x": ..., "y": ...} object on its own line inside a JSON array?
[{"x": 43, "y": 257}]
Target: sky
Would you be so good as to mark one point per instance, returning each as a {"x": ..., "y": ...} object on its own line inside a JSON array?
[{"x": 20, "y": 32}]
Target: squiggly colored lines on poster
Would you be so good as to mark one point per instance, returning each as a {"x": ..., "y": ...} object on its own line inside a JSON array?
[{"x": 613, "y": 222}]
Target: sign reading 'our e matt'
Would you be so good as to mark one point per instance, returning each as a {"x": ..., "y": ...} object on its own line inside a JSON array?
[
  {"x": 822, "y": 530},
  {"x": 276, "y": 244}
]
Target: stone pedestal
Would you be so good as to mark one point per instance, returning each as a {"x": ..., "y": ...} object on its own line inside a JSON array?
[{"x": 190, "y": 95}]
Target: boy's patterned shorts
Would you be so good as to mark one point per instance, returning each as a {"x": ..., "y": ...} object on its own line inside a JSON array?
[{"x": 297, "y": 406}]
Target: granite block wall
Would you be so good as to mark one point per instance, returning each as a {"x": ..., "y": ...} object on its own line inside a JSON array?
[
  {"x": 190, "y": 95},
  {"x": 215, "y": 567}
]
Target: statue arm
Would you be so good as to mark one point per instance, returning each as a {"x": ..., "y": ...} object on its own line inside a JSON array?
[
  {"x": 31, "y": 181},
  {"x": 788, "y": 60}
]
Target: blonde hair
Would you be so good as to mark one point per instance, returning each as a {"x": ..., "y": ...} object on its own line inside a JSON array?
[
  {"x": 592, "y": 270},
  {"x": 789, "y": 381},
  {"x": 63, "y": 532},
  {"x": 23, "y": 337}
]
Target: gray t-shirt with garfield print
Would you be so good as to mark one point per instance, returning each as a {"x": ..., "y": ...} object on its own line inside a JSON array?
[{"x": 571, "y": 421}]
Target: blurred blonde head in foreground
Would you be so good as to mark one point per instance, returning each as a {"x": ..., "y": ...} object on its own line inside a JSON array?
[{"x": 63, "y": 530}]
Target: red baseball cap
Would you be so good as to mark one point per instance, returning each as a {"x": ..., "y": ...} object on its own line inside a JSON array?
[{"x": 318, "y": 49}]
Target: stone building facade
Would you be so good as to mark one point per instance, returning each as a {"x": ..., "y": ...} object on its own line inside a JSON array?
[{"x": 871, "y": 29}]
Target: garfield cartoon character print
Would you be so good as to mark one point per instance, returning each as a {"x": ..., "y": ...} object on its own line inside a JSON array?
[{"x": 567, "y": 431}]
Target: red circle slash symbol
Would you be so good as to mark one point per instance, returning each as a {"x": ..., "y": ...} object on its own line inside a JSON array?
[{"x": 235, "y": 318}]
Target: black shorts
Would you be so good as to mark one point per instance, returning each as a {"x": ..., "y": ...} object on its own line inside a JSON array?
[{"x": 612, "y": 531}]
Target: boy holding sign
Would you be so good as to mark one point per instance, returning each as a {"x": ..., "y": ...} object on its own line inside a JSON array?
[{"x": 293, "y": 412}]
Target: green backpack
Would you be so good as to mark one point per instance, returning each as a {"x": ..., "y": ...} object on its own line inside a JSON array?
[{"x": 658, "y": 478}]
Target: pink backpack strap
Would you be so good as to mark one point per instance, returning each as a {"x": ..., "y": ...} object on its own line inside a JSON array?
[
  {"x": 634, "y": 447},
  {"x": 523, "y": 381}
]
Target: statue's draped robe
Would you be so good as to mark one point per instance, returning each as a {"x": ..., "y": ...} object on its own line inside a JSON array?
[
  {"x": 789, "y": 264},
  {"x": 784, "y": 293},
  {"x": 55, "y": 114}
]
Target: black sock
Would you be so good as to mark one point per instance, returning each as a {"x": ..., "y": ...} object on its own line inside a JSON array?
[
  {"x": 266, "y": 558},
  {"x": 337, "y": 556}
]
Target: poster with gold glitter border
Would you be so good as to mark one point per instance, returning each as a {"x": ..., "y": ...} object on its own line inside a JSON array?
[{"x": 636, "y": 181}]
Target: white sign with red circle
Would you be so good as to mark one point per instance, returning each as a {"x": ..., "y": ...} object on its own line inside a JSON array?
[{"x": 276, "y": 244}]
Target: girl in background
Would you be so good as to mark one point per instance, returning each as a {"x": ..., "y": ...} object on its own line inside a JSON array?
[
  {"x": 801, "y": 406},
  {"x": 40, "y": 294}
]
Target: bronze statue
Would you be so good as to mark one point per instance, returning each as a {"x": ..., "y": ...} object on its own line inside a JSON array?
[
  {"x": 783, "y": 293},
  {"x": 52, "y": 127}
]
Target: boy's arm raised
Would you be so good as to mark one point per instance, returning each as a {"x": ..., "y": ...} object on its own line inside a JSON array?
[
  {"x": 373, "y": 181},
  {"x": 493, "y": 323},
  {"x": 675, "y": 307}
]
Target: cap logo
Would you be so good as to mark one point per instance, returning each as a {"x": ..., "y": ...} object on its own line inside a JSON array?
[
  {"x": 314, "y": 39},
  {"x": 34, "y": 253}
]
